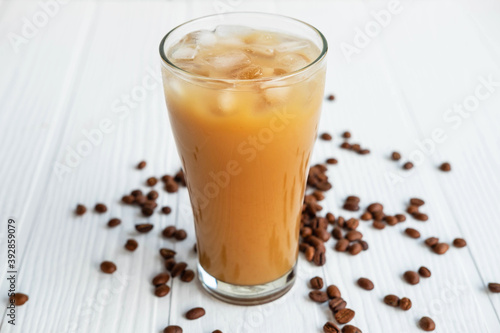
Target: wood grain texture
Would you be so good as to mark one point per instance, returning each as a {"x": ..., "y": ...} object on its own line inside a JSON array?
[{"x": 394, "y": 93}]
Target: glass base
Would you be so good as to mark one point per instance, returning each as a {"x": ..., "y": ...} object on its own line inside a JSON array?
[{"x": 247, "y": 295}]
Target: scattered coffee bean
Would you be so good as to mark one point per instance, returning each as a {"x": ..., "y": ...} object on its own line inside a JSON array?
[
  {"x": 365, "y": 283},
  {"x": 494, "y": 287},
  {"x": 162, "y": 290},
  {"x": 392, "y": 300},
  {"x": 346, "y": 135},
  {"x": 400, "y": 217},
  {"x": 330, "y": 218},
  {"x": 356, "y": 147},
  {"x": 350, "y": 329},
  {"x": 114, "y": 222},
  {"x": 378, "y": 216},
  {"x": 128, "y": 199},
  {"x": 330, "y": 327},
  {"x": 336, "y": 304},
  {"x": 319, "y": 258},
  {"x": 316, "y": 282},
  {"x": 108, "y": 267},
  {"x": 318, "y": 296},
  {"x": 412, "y": 209},
  {"x": 440, "y": 248},
  {"x": 355, "y": 249},
  {"x": 445, "y": 167},
  {"x": 417, "y": 202},
  {"x": 144, "y": 227},
  {"x": 375, "y": 207},
  {"x": 80, "y": 210},
  {"x": 424, "y": 272},
  {"x": 141, "y": 165},
  {"x": 195, "y": 248},
  {"x": 100, "y": 208},
  {"x": 396, "y": 156},
  {"x": 407, "y": 165},
  {"x": 331, "y": 97},
  {"x": 187, "y": 275},
  {"x": 345, "y": 145},
  {"x": 146, "y": 211},
  {"x": 326, "y": 137},
  {"x": 367, "y": 216},
  {"x": 151, "y": 181},
  {"x": 351, "y": 206},
  {"x": 332, "y": 291},
  {"x": 18, "y": 299},
  {"x": 172, "y": 329},
  {"x": 431, "y": 241},
  {"x": 169, "y": 231},
  {"x": 459, "y": 242},
  {"x": 413, "y": 233},
  {"x": 180, "y": 234},
  {"x": 318, "y": 195},
  {"x": 427, "y": 324},
  {"x": 217, "y": 331},
  {"x": 378, "y": 225},
  {"x": 152, "y": 195},
  {"x": 195, "y": 313},
  {"x": 171, "y": 186},
  {"x": 391, "y": 220},
  {"x": 169, "y": 264},
  {"x": 344, "y": 316},
  {"x": 411, "y": 277},
  {"x": 364, "y": 245},
  {"x": 353, "y": 235},
  {"x": 166, "y": 210},
  {"x": 131, "y": 244},
  {"x": 167, "y": 253},
  {"x": 309, "y": 253},
  {"x": 161, "y": 278},
  {"x": 405, "y": 304},
  {"x": 337, "y": 233},
  {"x": 420, "y": 217},
  {"x": 341, "y": 221},
  {"x": 331, "y": 161},
  {"x": 342, "y": 245},
  {"x": 136, "y": 193},
  {"x": 352, "y": 223},
  {"x": 141, "y": 200},
  {"x": 178, "y": 269}
]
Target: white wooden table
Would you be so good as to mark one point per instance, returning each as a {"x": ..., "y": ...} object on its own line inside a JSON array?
[{"x": 71, "y": 72}]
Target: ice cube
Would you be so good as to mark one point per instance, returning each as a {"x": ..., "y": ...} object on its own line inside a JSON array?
[
  {"x": 260, "y": 50},
  {"x": 248, "y": 73},
  {"x": 184, "y": 53},
  {"x": 205, "y": 38},
  {"x": 226, "y": 31},
  {"x": 293, "y": 61},
  {"x": 277, "y": 95},
  {"x": 293, "y": 46},
  {"x": 227, "y": 103},
  {"x": 228, "y": 60},
  {"x": 261, "y": 38}
]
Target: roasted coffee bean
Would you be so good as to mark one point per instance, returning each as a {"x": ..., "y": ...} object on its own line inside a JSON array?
[
  {"x": 171, "y": 187},
  {"x": 169, "y": 231},
  {"x": 351, "y": 206},
  {"x": 167, "y": 178},
  {"x": 378, "y": 216},
  {"x": 350, "y": 329},
  {"x": 336, "y": 304},
  {"x": 144, "y": 227},
  {"x": 330, "y": 218},
  {"x": 440, "y": 248},
  {"x": 316, "y": 282},
  {"x": 413, "y": 233},
  {"x": 375, "y": 207},
  {"x": 494, "y": 287},
  {"x": 100, "y": 208},
  {"x": 353, "y": 235},
  {"x": 217, "y": 331},
  {"x": 108, "y": 267},
  {"x": 417, "y": 202},
  {"x": 172, "y": 329},
  {"x": 326, "y": 137},
  {"x": 131, "y": 244},
  {"x": 322, "y": 234},
  {"x": 342, "y": 245},
  {"x": 378, "y": 225},
  {"x": 400, "y": 217},
  {"x": 352, "y": 223},
  {"x": 407, "y": 165},
  {"x": 356, "y": 147},
  {"x": 346, "y": 135},
  {"x": 459, "y": 242},
  {"x": 180, "y": 234},
  {"x": 161, "y": 278},
  {"x": 169, "y": 264},
  {"x": 315, "y": 242},
  {"x": 166, "y": 210},
  {"x": 332, "y": 291},
  {"x": 355, "y": 249},
  {"x": 411, "y": 277},
  {"x": 392, "y": 300},
  {"x": 309, "y": 253},
  {"x": 141, "y": 165},
  {"x": 431, "y": 241},
  {"x": 353, "y": 198},
  {"x": 337, "y": 233},
  {"x": 344, "y": 316},
  {"x": 367, "y": 216},
  {"x": 180, "y": 177},
  {"x": 396, "y": 156},
  {"x": 424, "y": 272},
  {"x": 364, "y": 245},
  {"x": 151, "y": 181},
  {"x": 152, "y": 195},
  {"x": 136, "y": 193},
  {"x": 345, "y": 145},
  {"x": 318, "y": 195},
  {"x": 412, "y": 209},
  {"x": 330, "y": 327},
  {"x": 140, "y": 200},
  {"x": 128, "y": 199},
  {"x": 318, "y": 296},
  {"x": 18, "y": 299},
  {"x": 80, "y": 209},
  {"x": 331, "y": 161},
  {"x": 303, "y": 247},
  {"x": 364, "y": 151},
  {"x": 445, "y": 167},
  {"x": 427, "y": 324},
  {"x": 167, "y": 253},
  {"x": 330, "y": 97},
  {"x": 162, "y": 290},
  {"x": 365, "y": 283},
  {"x": 149, "y": 204},
  {"x": 319, "y": 258},
  {"x": 146, "y": 211},
  {"x": 405, "y": 304},
  {"x": 420, "y": 217},
  {"x": 341, "y": 221},
  {"x": 391, "y": 220},
  {"x": 187, "y": 275},
  {"x": 195, "y": 248},
  {"x": 178, "y": 269},
  {"x": 114, "y": 222}
]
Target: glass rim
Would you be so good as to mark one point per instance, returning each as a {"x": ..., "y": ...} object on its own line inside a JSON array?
[{"x": 319, "y": 58}]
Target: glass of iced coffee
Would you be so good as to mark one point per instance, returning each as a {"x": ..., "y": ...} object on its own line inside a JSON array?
[{"x": 244, "y": 93}]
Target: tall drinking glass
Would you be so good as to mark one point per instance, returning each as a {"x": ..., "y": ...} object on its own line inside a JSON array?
[{"x": 244, "y": 93}]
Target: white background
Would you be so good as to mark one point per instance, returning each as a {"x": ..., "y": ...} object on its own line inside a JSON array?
[{"x": 66, "y": 76}]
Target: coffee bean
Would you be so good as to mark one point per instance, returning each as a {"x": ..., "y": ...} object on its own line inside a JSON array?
[
  {"x": 309, "y": 253},
  {"x": 167, "y": 253},
  {"x": 365, "y": 283},
  {"x": 413, "y": 233},
  {"x": 128, "y": 199},
  {"x": 431, "y": 241},
  {"x": 149, "y": 204},
  {"x": 18, "y": 299},
  {"x": 178, "y": 269},
  {"x": 344, "y": 316},
  {"x": 356, "y": 147},
  {"x": 166, "y": 210},
  {"x": 346, "y": 135},
  {"x": 151, "y": 181},
  {"x": 352, "y": 223},
  {"x": 396, "y": 156},
  {"x": 345, "y": 145},
  {"x": 332, "y": 291},
  {"x": 353, "y": 235},
  {"x": 114, "y": 222},
  {"x": 318, "y": 195},
  {"x": 169, "y": 231},
  {"x": 375, "y": 207},
  {"x": 108, "y": 267},
  {"x": 400, "y": 217},
  {"x": 494, "y": 287},
  {"x": 440, "y": 248},
  {"x": 315, "y": 242},
  {"x": 172, "y": 329},
  {"x": 405, "y": 304},
  {"x": 412, "y": 209},
  {"x": 331, "y": 161},
  {"x": 322, "y": 234},
  {"x": 180, "y": 234},
  {"x": 364, "y": 151},
  {"x": 141, "y": 200},
  {"x": 342, "y": 245},
  {"x": 171, "y": 187},
  {"x": 306, "y": 232},
  {"x": 326, "y": 137},
  {"x": 459, "y": 242},
  {"x": 420, "y": 217},
  {"x": 341, "y": 221},
  {"x": 141, "y": 165},
  {"x": 161, "y": 278},
  {"x": 169, "y": 264},
  {"x": 217, "y": 331},
  {"x": 195, "y": 313},
  {"x": 378, "y": 225},
  {"x": 187, "y": 275},
  {"x": 367, "y": 216},
  {"x": 392, "y": 300},
  {"x": 330, "y": 327},
  {"x": 330, "y": 218},
  {"x": 417, "y": 202},
  {"x": 316, "y": 282},
  {"x": 378, "y": 216},
  {"x": 407, "y": 165},
  {"x": 330, "y": 97},
  {"x": 146, "y": 211},
  {"x": 411, "y": 277},
  {"x": 427, "y": 324},
  {"x": 80, "y": 209},
  {"x": 131, "y": 244},
  {"x": 355, "y": 249},
  {"x": 364, "y": 245},
  {"x": 351, "y": 206},
  {"x": 319, "y": 258},
  {"x": 136, "y": 193},
  {"x": 350, "y": 329},
  {"x": 152, "y": 195},
  {"x": 162, "y": 290},
  {"x": 337, "y": 233},
  {"x": 424, "y": 272},
  {"x": 100, "y": 208},
  {"x": 445, "y": 167},
  {"x": 318, "y": 296},
  {"x": 336, "y": 304},
  {"x": 144, "y": 227},
  {"x": 195, "y": 248},
  {"x": 391, "y": 220}
]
